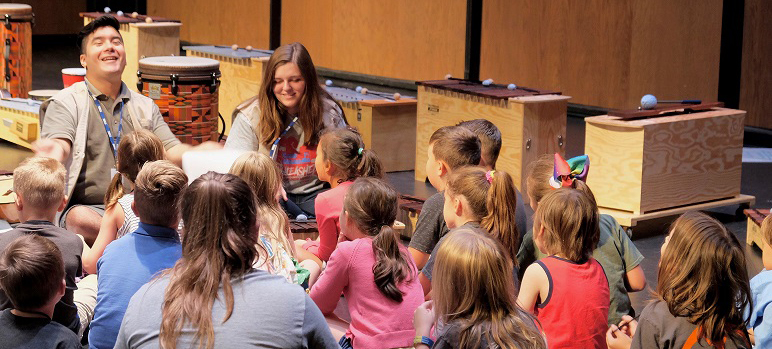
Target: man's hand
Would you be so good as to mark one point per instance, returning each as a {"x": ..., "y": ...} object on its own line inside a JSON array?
[{"x": 57, "y": 149}]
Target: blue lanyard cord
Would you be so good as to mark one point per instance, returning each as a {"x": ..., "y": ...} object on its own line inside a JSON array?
[
  {"x": 113, "y": 141},
  {"x": 275, "y": 145}
]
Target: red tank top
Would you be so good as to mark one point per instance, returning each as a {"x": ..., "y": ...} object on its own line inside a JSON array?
[{"x": 575, "y": 313}]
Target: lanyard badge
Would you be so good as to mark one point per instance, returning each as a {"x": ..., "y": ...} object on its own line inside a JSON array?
[
  {"x": 114, "y": 141},
  {"x": 275, "y": 145}
]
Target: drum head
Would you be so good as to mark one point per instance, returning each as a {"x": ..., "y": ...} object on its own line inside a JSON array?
[
  {"x": 180, "y": 65},
  {"x": 42, "y": 95},
  {"x": 15, "y": 9}
]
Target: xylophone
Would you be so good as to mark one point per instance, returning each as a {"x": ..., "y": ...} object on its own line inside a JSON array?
[
  {"x": 143, "y": 36},
  {"x": 386, "y": 122},
  {"x": 755, "y": 217},
  {"x": 20, "y": 121},
  {"x": 666, "y": 163},
  {"x": 304, "y": 229},
  {"x": 242, "y": 74},
  {"x": 532, "y": 121},
  {"x": 8, "y": 211}
]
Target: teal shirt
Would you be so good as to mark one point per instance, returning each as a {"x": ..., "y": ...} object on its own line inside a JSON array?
[{"x": 615, "y": 252}]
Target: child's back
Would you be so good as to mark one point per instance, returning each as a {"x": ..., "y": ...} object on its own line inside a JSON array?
[{"x": 575, "y": 310}]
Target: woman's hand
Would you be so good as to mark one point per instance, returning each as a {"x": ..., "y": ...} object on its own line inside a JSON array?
[{"x": 423, "y": 319}]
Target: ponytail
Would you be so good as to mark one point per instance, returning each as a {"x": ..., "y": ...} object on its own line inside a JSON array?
[
  {"x": 391, "y": 266},
  {"x": 114, "y": 191},
  {"x": 501, "y": 201},
  {"x": 369, "y": 165}
]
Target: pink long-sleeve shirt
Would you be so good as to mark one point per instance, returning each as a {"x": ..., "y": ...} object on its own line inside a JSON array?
[
  {"x": 376, "y": 321},
  {"x": 328, "y": 206}
]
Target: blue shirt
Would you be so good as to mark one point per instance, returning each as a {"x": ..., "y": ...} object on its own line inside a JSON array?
[
  {"x": 761, "y": 316},
  {"x": 126, "y": 265}
]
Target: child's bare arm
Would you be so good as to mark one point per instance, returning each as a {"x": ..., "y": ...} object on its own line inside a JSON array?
[
  {"x": 635, "y": 280},
  {"x": 535, "y": 283},
  {"x": 112, "y": 220},
  {"x": 419, "y": 257}
]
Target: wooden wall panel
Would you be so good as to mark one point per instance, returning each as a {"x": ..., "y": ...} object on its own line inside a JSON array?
[
  {"x": 604, "y": 52},
  {"x": 404, "y": 39},
  {"x": 56, "y": 18},
  {"x": 224, "y": 22},
  {"x": 756, "y": 81}
]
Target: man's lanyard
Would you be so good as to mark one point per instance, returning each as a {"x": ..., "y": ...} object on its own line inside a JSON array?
[
  {"x": 113, "y": 141},
  {"x": 272, "y": 153}
]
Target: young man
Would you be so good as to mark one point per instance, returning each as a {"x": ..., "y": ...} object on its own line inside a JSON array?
[
  {"x": 39, "y": 190},
  {"x": 96, "y": 113},
  {"x": 32, "y": 275},
  {"x": 450, "y": 148},
  {"x": 133, "y": 260}
]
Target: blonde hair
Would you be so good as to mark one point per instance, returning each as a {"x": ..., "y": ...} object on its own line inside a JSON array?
[
  {"x": 702, "y": 276},
  {"x": 159, "y": 185},
  {"x": 220, "y": 245},
  {"x": 571, "y": 223},
  {"x": 264, "y": 177},
  {"x": 135, "y": 149},
  {"x": 40, "y": 182},
  {"x": 492, "y": 203},
  {"x": 473, "y": 287}
]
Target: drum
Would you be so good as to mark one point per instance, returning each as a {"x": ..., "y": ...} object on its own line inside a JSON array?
[
  {"x": 185, "y": 90},
  {"x": 16, "y": 65},
  {"x": 42, "y": 95},
  {"x": 73, "y": 75}
]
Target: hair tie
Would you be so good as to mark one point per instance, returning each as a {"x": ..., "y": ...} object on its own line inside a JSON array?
[
  {"x": 359, "y": 152},
  {"x": 489, "y": 176},
  {"x": 566, "y": 172}
]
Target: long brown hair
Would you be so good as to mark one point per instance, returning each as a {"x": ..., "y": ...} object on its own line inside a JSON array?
[
  {"x": 702, "y": 277},
  {"x": 312, "y": 104},
  {"x": 371, "y": 204},
  {"x": 219, "y": 245},
  {"x": 474, "y": 288},
  {"x": 344, "y": 148},
  {"x": 571, "y": 223},
  {"x": 263, "y": 175},
  {"x": 135, "y": 150},
  {"x": 492, "y": 202}
]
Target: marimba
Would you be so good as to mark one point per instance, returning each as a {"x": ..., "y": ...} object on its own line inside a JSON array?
[
  {"x": 242, "y": 74},
  {"x": 655, "y": 163},
  {"x": 143, "y": 38},
  {"x": 532, "y": 121},
  {"x": 386, "y": 121},
  {"x": 304, "y": 229},
  {"x": 755, "y": 217}
]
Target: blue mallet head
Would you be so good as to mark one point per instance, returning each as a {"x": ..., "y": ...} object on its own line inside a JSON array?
[
  {"x": 359, "y": 89},
  {"x": 648, "y": 102},
  {"x": 487, "y": 82},
  {"x": 511, "y": 86},
  {"x": 328, "y": 82}
]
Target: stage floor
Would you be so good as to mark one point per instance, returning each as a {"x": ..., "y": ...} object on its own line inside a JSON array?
[{"x": 51, "y": 54}]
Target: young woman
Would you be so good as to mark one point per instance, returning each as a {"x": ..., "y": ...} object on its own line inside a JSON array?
[{"x": 285, "y": 120}]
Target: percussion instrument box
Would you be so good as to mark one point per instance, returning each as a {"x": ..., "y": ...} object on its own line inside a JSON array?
[
  {"x": 161, "y": 37},
  {"x": 755, "y": 218},
  {"x": 532, "y": 122},
  {"x": 387, "y": 126},
  {"x": 673, "y": 160},
  {"x": 242, "y": 74},
  {"x": 20, "y": 121}
]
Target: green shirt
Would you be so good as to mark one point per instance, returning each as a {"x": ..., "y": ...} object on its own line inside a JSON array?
[{"x": 616, "y": 253}]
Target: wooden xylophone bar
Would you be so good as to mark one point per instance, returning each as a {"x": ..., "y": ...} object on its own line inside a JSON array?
[
  {"x": 477, "y": 89},
  {"x": 756, "y": 215},
  {"x": 304, "y": 229}
]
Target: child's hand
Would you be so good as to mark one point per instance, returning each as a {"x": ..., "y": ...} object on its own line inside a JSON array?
[
  {"x": 423, "y": 319},
  {"x": 620, "y": 336}
]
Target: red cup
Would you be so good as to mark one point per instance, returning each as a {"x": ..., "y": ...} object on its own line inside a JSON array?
[{"x": 73, "y": 75}]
